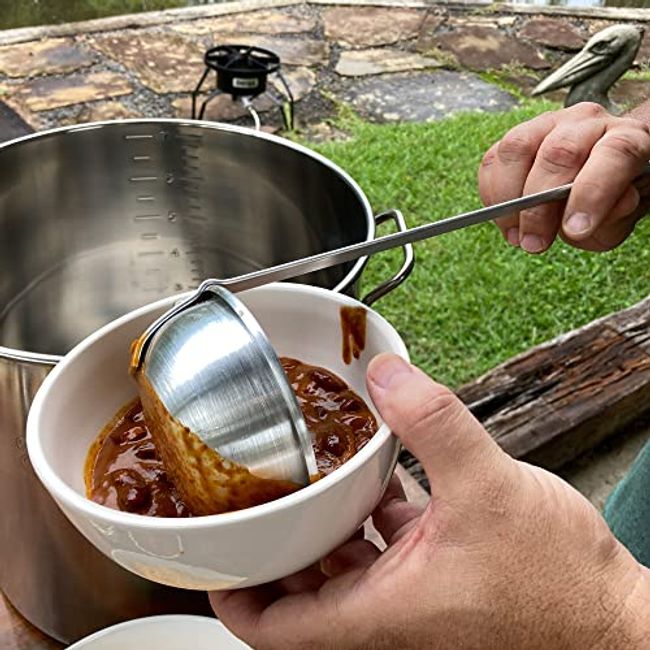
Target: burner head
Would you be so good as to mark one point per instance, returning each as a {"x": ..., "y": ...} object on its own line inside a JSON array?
[{"x": 241, "y": 69}]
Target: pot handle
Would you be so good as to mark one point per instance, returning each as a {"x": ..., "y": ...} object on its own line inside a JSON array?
[{"x": 407, "y": 264}]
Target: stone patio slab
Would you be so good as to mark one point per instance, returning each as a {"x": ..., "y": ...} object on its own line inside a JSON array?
[
  {"x": 484, "y": 48},
  {"x": 301, "y": 81},
  {"x": 426, "y": 39},
  {"x": 628, "y": 93},
  {"x": 643, "y": 55},
  {"x": 100, "y": 111},
  {"x": 423, "y": 97},
  {"x": 53, "y": 92},
  {"x": 357, "y": 63},
  {"x": 294, "y": 51},
  {"x": 368, "y": 26},
  {"x": 555, "y": 33},
  {"x": 220, "y": 109},
  {"x": 163, "y": 62},
  {"x": 50, "y": 56},
  {"x": 272, "y": 22}
]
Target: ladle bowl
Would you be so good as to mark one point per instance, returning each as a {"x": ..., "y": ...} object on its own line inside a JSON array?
[{"x": 212, "y": 370}]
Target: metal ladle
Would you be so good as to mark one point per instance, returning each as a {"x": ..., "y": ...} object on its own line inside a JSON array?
[{"x": 196, "y": 356}]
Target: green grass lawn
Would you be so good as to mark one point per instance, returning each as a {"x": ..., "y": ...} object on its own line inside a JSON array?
[{"x": 472, "y": 300}]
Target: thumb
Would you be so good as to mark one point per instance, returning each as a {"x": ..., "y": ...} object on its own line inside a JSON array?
[{"x": 431, "y": 422}]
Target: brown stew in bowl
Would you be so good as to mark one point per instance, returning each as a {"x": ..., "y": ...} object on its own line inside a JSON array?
[{"x": 124, "y": 470}]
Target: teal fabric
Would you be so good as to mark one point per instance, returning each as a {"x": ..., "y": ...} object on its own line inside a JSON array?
[{"x": 628, "y": 508}]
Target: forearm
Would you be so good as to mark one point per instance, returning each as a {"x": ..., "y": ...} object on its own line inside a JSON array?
[{"x": 641, "y": 112}]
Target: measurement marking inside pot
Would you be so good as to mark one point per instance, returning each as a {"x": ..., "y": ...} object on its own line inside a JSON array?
[
  {"x": 143, "y": 179},
  {"x": 145, "y": 197},
  {"x": 139, "y": 136},
  {"x": 140, "y": 158},
  {"x": 150, "y": 253},
  {"x": 149, "y": 235},
  {"x": 147, "y": 217}
]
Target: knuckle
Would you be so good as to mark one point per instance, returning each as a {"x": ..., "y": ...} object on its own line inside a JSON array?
[
  {"x": 516, "y": 146},
  {"x": 589, "y": 109},
  {"x": 590, "y": 188},
  {"x": 627, "y": 144},
  {"x": 489, "y": 157},
  {"x": 438, "y": 409},
  {"x": 636, "y": 125},
  {"x": 536, "y": 215},
  {"x": 561, "y": 155}
]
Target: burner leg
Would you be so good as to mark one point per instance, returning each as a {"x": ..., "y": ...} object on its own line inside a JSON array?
[
  {"x": 196, "y": 91},
  {"x": 286, "y": 111},
  {"x": 208, "y": 99},
  {"x": 286, "y": 107}
]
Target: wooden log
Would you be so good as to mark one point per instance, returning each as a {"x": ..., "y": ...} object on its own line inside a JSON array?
[{"x": 559, "y": 399}]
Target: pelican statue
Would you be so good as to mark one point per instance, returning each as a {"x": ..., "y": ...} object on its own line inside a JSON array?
[{"x": 595, "y": 69}]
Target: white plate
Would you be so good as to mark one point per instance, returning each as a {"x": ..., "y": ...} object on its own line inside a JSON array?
[{"x": 177, "y": 632}]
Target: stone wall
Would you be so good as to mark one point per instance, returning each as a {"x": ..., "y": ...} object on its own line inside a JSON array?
[{"x": 391, "y": 62}]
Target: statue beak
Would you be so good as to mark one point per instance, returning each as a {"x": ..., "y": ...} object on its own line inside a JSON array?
[{"x": 580, "y": 67}]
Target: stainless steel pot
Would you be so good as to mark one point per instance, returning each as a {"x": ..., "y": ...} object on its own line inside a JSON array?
[{"x": 95, "y": 221}]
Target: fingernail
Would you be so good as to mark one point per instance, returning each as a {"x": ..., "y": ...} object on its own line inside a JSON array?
[
  {"x": 326, "y": 567},
  {"x": 532, "y": 243},
  {"x": 385, "y": 368},
  {"x": 577, "y": 224},
  {"x": 512, "y": 235}
]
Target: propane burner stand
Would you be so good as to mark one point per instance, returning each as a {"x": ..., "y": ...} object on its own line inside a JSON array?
[{"x": 242, "y": 72}]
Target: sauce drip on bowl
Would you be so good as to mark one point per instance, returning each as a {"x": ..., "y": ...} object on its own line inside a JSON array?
[
  {"x": 353, "y": 330},
  {"x": 124, "y": 470}
]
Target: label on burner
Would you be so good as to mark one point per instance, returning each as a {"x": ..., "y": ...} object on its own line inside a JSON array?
[{"x": 240, "y": 82}]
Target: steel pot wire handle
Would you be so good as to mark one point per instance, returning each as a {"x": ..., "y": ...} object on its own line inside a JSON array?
[{"x": 407, "y": 265}]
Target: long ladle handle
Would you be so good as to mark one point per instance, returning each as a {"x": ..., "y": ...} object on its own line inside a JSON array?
[
  {"x": 347, "y": 253},
  {"x": 354, "y": 251}
]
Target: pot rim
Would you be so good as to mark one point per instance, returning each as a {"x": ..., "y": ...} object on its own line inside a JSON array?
[{"x": 352, "y": 275}]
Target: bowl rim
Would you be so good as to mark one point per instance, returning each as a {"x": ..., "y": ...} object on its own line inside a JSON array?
[
  {"x": 67, "y": 495},
  {"x": 156, "y": 619}
]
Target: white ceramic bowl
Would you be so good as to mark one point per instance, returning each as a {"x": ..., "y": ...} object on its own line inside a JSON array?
[
  {"x": 175, "y": 632},
  {"x": 235, "y": 549}
]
